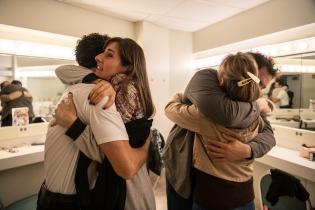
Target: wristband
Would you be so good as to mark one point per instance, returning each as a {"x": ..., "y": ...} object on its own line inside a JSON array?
[{"x": 76, "y": 129}]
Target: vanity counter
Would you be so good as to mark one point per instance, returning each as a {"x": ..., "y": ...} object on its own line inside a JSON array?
[
  {"x": 289, "y": 160},
  {"x": 284, "y": 122},
  {"x": 22, "y": 145},
  {"x": 24, "y": 155}
]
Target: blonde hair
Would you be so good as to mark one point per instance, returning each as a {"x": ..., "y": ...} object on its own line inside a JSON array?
[{"x": 232, "y": 70}]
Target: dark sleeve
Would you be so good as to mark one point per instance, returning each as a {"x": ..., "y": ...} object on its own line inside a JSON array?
[
  {"x": 138, "y": 131},
  {"x": 205, "y": 92},
  {"x": 264, "y": 141},
  {"x": 76, "y": 129}
]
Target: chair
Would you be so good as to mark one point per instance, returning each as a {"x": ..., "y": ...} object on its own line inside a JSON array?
[
  {"x": 28, "y": 203},
  {"x": 39, "y": 119},
  {"x": 285, "y": 202}
]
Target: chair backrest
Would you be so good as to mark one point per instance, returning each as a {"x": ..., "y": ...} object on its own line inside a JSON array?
[
  {"x": 284, "y": 202},
  {"x": 28, "y": 203},
  {"x": 1, "y": 206}
]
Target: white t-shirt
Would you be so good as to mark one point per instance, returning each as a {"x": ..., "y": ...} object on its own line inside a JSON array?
[
  {"x": 140, "y": 194},
  {"x": 283, "y": 96},
  {"x": 61, "y": 154}
]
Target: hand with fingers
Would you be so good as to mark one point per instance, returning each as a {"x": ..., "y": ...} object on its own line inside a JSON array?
[
  {"x": 102, "y": 88},
  {"x": 232, "y": 150},
  {"x": 264, "y": 105},
  {"x": 65, "y": 113}
]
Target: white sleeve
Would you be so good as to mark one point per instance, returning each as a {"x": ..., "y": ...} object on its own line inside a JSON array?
[
  {"x": 71, "y": 74},
  {"x": 107, "y": 124},
  {"x": 281, "y": 94}
]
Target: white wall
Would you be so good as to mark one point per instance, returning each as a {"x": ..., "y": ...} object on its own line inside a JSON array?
[
  {"x": 271, "y": 17},
  {"x": 158, "y": 66},
  {"x": 180, "y": 61},
  {"x": 168, "y": 56},
  {"x": 60, "y": 18},
  {"x": 168, "y": 62}
]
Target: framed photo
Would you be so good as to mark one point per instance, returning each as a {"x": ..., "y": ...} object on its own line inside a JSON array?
[{"x": 20, "y": 116}]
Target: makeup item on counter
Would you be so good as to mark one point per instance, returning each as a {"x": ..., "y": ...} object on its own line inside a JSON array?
[
  {"x": 307, "y": 152},
  {"x": 37, "y": 143}
]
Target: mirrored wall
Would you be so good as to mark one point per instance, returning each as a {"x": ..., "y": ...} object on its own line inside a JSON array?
[
  {"x": 37, "y": 76},
  {"x": 298, "y": 81},
  {"x": 295, "y": 59}
]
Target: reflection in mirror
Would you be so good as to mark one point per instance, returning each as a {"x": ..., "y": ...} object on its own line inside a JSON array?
[
  {"x": 298, "y": 77},
  {"x": 307, "y": 111},
  {"x": 37, "y": 77},
  {"x": 296, "y": 60},
  {"x": 289, "y": 81}
]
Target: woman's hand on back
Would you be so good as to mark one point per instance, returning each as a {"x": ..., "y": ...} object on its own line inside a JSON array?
[
  {"x": 102, "y": 89},
  {"x": 263, "y": 105},
  {"x": 231, "y": 150}
]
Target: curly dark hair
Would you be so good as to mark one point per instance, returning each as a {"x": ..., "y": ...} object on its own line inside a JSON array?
[
  {"x": 281, "y": 81},
  {"x": 88, "y": 47},
  {"x": 16, "y": 82},
  {"x": 264, "y": 61}
]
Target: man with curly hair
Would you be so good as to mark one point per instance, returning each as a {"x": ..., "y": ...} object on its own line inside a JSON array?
[{"x": 89, "y": 46}]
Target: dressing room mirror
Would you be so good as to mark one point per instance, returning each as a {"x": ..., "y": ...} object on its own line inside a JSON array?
[
  {"x": 298, "y": 82},
  {"x": 37, "y": 75}
]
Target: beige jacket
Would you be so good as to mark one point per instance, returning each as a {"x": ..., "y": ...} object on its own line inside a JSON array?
[{"x": 189, "y": 117}]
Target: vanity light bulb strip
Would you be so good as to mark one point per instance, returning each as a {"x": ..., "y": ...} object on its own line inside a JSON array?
[
  {"x": 281, "y": 49},
  {"x": 297, "y": 68},
  {"x": 18, "y": 47}
]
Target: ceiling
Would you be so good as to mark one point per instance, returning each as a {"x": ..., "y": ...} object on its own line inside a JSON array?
[{"x": 184, "y": 15}]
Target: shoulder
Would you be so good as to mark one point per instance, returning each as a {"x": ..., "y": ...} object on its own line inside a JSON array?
[
  {"x": 63, "y": 68},
  {"x": 204, "y": 78},
  {"x": 206, "y": 74},
  {"x": 80, "y": 92}
]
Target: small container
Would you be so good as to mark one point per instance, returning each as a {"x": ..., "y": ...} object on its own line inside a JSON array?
[{"x": 307, "y": 152}]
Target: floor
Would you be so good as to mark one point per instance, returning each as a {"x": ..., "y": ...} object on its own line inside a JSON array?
[{"x": 159, "y": 191}]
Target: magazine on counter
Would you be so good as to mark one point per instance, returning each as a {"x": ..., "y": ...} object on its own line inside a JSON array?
[{"x": 20, "y": 116}]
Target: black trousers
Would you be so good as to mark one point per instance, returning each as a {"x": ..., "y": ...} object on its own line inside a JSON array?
[
  {"x": 175, "y": 201},
  {"x": 55, "y": 201}
]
